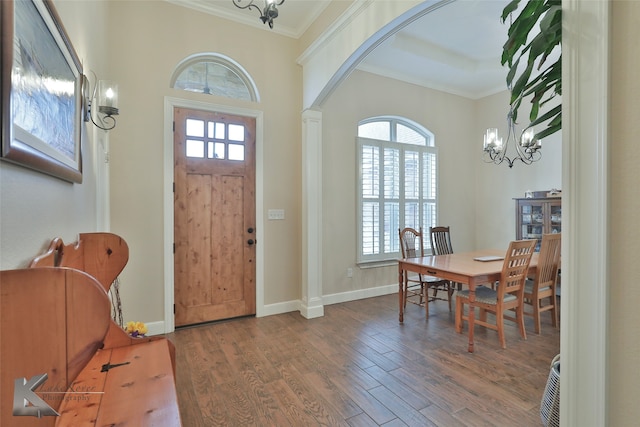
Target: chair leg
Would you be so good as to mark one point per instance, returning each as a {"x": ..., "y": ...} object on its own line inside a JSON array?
[
  {"x": 449, "y": 294},
  {"x": 459, "y": 312},
  {"x": 405, "y": 288},
  {"x": 520, "y": 320},
  {"x": 425, "y": 292},
  {"x": 536, "y": 315},
  {"x": 554, "y": 312},
  {"x": 500, "y": 327}
]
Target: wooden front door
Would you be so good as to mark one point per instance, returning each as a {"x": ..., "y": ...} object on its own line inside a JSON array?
[{"x": 214, "y": 216}]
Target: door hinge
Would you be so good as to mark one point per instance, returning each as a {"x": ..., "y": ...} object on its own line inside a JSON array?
[
  {"x": 174, "y": 187},
  {"x": 174, "y": 309},
  {"x": 174, "y": 126},
  {"x": 174, "y": 248}
]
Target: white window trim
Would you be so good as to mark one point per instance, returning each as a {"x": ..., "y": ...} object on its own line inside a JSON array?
[{"x": 383, "y": 258}]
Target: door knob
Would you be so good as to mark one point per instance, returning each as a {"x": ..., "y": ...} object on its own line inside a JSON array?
[
  {"x": 250, "y": 242},
  {"x": 250, "y": 230}
]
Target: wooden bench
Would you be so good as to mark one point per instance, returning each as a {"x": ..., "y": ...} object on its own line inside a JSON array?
[{"x": 56, "y": 320}]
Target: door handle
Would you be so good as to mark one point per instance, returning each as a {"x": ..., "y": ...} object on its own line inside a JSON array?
[
  {"x": 250, "y": 242},
  {"x": 250, "y": 230}
]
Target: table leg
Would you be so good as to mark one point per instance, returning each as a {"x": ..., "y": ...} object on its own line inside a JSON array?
[
  {"x": 401, "y": 293},
  {"x": 472, "y": 313}
]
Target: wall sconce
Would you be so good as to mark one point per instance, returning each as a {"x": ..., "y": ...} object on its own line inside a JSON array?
[
  {"x": 105, "y": 98},
  {"x": 269, "y": 12}
]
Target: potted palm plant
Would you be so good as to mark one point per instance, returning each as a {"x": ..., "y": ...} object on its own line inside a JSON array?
[{"x": 523, "y": 54}]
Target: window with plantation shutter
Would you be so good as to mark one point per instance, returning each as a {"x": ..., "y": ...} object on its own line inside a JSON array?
[{"x": 397, "y": 164}]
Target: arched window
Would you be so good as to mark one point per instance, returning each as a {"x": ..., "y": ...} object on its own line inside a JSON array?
[
  {"x": 214, "y": 74},
  {"x": 397, "y": 172}
]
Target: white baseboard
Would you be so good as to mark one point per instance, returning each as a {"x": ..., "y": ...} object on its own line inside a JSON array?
[
  {"x": 359, "y": 294},
  {"x": 158, "y": 328},
  {"x": 281, "y": 307},
  {"x": 289, "y": 306},
  {"x": 155, "y": 328}
]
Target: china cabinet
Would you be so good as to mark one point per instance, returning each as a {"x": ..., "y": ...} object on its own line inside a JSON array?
[{"x": 537, "y": 215}]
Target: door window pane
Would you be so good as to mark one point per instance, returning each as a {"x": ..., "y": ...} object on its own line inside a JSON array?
[
  {"x": 219, "y": 150},
  {"x": 195, "y": 148},
  {"x": 236, "y": 133},
  {"x": 195, "y": 128},
  {"x": 216, "y": 130},
  {"x": 236, "y": 152}
]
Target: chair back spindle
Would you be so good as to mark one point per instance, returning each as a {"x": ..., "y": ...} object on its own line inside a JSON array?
[
  {"x": 440, "y": 238},
  {"x": 411, "y": 243},
  {"x": 515, "y": 268}
]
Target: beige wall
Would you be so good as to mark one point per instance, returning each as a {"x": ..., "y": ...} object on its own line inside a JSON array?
[
  {"x": 439, "y": 112},
  {"x": 496, "y": 186},
  {"x": 144, "y": 53},
  {"x": 141, "y": 53},
  {"x": 34, "y": 208},
  {"x": 624, "y": 347},
  {"x": 475, "y": 199}
]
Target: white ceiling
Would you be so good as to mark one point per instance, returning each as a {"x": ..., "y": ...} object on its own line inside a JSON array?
[{"x": 455, "y": 48}]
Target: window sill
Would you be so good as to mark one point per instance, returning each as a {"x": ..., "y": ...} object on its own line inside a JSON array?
[{"x": 376, "y": 264}]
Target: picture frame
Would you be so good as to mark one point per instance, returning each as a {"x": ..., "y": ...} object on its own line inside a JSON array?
[{"x": 41, "y": 91}]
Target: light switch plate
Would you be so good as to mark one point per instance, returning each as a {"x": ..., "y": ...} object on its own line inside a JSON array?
[{"x": 275, "y": 214}]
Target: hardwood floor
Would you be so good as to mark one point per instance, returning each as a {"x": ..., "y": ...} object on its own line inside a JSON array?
[{"x": 357, "y": 366}]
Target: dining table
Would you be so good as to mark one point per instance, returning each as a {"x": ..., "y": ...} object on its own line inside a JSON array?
[{"x": 468, "y": 268}]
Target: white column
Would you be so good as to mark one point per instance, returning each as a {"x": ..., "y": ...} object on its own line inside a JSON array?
[
  {"x": 584, "y": 320},
  {"x": 311, "y": 305}
]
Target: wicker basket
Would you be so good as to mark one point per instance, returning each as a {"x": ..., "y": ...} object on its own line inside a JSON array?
[{"x": 550, "y": 404}]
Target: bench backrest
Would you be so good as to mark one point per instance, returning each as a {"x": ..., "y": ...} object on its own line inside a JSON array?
[
  {"x": 52, "y": 320},
  {"x": 101, "y": 255}
]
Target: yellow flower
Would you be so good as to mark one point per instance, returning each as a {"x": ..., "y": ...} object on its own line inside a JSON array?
[
  {"x": 130, "y": 328},
  {"x": 136, "y": 328},
  {"x": 141, "y": 328}
]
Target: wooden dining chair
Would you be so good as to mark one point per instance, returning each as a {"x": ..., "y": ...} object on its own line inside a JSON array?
[
  {"x": 508, "y": 295},
  {"x": 540, "y": 293},
  {"x": 417, "y": 286},
  {"x": 440, "y": 238}
]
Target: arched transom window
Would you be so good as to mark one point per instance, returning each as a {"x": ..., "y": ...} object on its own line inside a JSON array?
[{"x": 214, "y": 74}]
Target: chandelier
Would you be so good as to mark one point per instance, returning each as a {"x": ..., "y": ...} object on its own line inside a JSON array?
[
  {"x": 526, "y": 147},
  {"x": 267, "y": 14}
]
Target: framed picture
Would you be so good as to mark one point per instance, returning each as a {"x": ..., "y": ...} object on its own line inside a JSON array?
[{"x": 41, "y": 91}]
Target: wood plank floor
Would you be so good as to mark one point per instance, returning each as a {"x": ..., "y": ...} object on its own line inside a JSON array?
[{"x": 358, "y": 366}]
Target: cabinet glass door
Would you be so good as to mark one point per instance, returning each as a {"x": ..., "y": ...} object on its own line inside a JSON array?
[
  {"x": 532, "y": 221},
  {"x": 556, "y": 219}
]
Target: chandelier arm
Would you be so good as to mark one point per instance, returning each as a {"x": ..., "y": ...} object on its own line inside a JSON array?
[
  {"x": 526, "y": 148},
  {"x": 248, "y": 6},
  {"x": 268, "y": 14}
]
